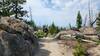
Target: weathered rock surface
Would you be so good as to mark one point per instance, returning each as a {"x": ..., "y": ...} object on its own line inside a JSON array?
[
  {"x": 95, "y": 51},
  {"x": 68, "y": 34},
  {"x": 16, "y": 38}
]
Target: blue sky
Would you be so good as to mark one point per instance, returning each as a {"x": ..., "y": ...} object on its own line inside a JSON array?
[{"x": 61, "y": 12}]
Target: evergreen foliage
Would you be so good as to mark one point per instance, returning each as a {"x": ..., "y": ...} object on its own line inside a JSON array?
[
  {"x": 70, "y": 26},
  {"x": 79, "y": 20},
  {"x": 53, "y": 29},
  {"x": 12, "y": 7},
  {"x": 32, "y": 24},
  {"x": 98, "y": 23}
]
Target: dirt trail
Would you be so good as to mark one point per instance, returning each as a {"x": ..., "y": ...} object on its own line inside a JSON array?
[{"x": 50, "y": 47}]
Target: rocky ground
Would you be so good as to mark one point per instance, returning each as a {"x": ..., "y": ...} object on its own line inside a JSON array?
[{"x": 50, "y": 47}]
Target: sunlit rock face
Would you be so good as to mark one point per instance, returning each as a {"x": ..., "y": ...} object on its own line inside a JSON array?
[{"x": 16, "y": 38}]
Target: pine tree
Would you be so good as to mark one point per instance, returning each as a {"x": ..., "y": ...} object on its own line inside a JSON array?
[
  {"x": 32, "y": 24},
  {"x": 79, "y": 20},
  {"x": 98, "y": 22},
  {"x": 70, "y": 26},
  {"x": 53, "y": 29},
  {"x": 17, "y": 9},
  {"x": 4, "y": 8},
  {"x": 12, "y": 7}
]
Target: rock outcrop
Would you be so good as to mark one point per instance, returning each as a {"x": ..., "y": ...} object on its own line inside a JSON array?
[
  {"x": 16, "y": 38},
  {"x": 68, "y": 34}
]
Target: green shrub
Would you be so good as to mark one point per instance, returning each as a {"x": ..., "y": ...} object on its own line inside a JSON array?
[
  {"x": 98, "y": 42},
  {"x": 79, "y": 50},
  {"x": 40, "y": 34}
]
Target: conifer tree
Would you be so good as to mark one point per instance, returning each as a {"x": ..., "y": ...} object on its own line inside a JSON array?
[
  {"x": 12, "y": 7},
  {"x": 53, "y": 29},
  {"x": 79, "y": 20},
  {"x": 98, "y": 22}
]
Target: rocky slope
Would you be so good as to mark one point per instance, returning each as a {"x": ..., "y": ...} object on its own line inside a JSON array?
[{"x": 16, "y": 38}]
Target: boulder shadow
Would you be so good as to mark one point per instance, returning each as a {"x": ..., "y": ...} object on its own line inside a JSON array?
[
  {"x": 41, "y": 45},
  {"x": 43, "y": 52}
]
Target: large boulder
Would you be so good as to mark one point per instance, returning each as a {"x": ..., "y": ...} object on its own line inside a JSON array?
[{"x": 16, "y": 38}]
